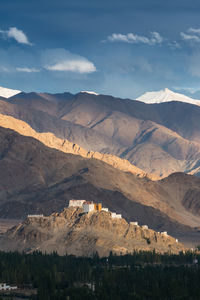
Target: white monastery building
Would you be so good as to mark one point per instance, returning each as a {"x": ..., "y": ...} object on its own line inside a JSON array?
[
  {"x": 88, "y": 206},
  {"x": 76, "y": 203}
]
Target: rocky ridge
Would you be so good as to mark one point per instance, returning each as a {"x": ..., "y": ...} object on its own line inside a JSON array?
[
  {"x": 160, "y": 141},
  {"x": 50, "y": 140},
  {"x": 74, "y": 232}
]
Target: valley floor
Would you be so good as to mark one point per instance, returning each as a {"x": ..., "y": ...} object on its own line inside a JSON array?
[{"x": 189, "y": 239}]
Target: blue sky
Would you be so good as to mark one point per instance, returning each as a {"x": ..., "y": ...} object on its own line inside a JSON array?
[{"x": 123, "y": 48}]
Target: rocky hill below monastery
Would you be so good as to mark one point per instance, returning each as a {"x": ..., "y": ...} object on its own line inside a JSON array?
[{"x": 75, "y": 232}]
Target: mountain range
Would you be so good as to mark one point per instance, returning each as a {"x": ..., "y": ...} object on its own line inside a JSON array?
[
  {"x": 42, "y": 173},
  {"x": 156, "y": 138},
  {"x": 63, "y": 146}
]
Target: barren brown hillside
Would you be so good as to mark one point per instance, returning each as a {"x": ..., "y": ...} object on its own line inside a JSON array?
[
  {"x": 156, "y": 137},
  {"x": 37, "y": 178}
]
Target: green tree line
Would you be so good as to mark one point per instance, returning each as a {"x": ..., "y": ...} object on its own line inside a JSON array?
[{"x": 140, "y": 275}]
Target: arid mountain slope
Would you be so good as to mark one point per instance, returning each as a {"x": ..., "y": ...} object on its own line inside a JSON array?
[
  {"x": 76, "y": 233},
  {"x": 86, "y": 137},
  {"x": 50, "y": 103},
  {"x": 37, "y": 178},
  {"x": 184, "y": 189},
  {"x": 154, "y": 137},
  {"x": 43, "y": 122},
  {"x": 155, "y": 148},
  {"x": 52, "y": 141}
]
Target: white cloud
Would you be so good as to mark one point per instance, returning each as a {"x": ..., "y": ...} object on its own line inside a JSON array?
[
  {"x": 189, "y": 37},
  {"x": 192, "y": 35},
  {"x": 128, "y": 38},
  {"x": 194, "y": 30},
  {"x": 65, "y": 61},
  {"x": 27, "y": 70},
  {"x": 174, "y": 45},
  {"x": 132, "y": 38},
  {"x": 156, "y": 38},
  {"x": 78, "y": 66},
  {"x": 16, "y": 34}
]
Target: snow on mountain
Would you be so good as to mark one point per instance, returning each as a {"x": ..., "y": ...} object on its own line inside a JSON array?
[
  {"x": 7, "y": 93},
  {"x": 90, "y": 92},
  {"x": 166, "y": 95}
]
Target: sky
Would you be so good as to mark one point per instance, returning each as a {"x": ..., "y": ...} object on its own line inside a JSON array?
[{"x": 123, "y": 48}]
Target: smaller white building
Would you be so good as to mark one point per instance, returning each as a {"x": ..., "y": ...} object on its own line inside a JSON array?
[
  {"x": 164, "y": 233},
  {"x": 5, "y": 287},
  {"x": 134, "y": 223},
  {"x": 145, "y": 227},
  {"x": 104, "y": 209},
  {"x": 76, "y": 203},
  {"x": 176, "y": 240},
  {"x": 118, "y": 216},
  {"x": 36, "y": 216},
  {"x": 113, "y": 215},
  {"x": 88, "y": 206}
]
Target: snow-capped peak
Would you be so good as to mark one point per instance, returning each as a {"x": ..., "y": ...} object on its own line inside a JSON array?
[
  {"x": 90, "y": 92},
  {"x": 166, "y": 95},
  {"x": 7, "y": 93}
]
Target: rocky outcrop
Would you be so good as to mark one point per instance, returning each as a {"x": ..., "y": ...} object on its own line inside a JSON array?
[{"x": 74, "y": 232}]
